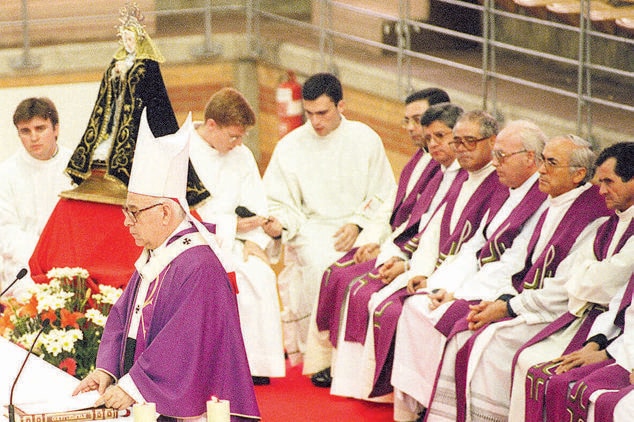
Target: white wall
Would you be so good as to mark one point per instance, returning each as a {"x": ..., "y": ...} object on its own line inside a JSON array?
[{"x": 74, "y": 104}]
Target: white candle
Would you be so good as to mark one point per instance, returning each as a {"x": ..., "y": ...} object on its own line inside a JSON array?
[
  {"x": 218, "y": 410},
  {"x": 144, "y": 412}
]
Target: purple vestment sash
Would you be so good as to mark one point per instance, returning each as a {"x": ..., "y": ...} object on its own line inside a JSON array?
[
  {"x": 505, "y": 234},
  {"x": 539, "y": 376},
  {"x": 613, "y": 377},
  {"x": 586, "y": 208},
  {"x": 333, "y": 291},
  {"x": 385, "y": 319},
  {"x": 420, "y": 208},
  {"x": 470, "y": 217},
  {"x": 403, "y": 205},
  {"x": 450, "y": 198}
]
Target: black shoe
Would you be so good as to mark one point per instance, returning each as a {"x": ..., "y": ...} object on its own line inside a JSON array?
[
  {"x": 322, "y": 378},
  {"x": 261, "y": 380},
  {"x": 421, "y": 415}
]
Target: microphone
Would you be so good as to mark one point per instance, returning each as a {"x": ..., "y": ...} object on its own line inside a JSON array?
[
  {"x": 20, "y": 275},
  {"x": 45, "y": 324},
  {"x": 244, "y": 212}
]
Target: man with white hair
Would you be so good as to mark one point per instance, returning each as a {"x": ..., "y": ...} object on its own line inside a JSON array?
[{"x": 173, "y": 338}]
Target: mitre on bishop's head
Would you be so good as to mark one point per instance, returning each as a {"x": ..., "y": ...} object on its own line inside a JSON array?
[{"x": 159, "y": 166}]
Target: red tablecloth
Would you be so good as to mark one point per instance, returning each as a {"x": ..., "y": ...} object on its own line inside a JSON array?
[{"x": 88, "y": 235}]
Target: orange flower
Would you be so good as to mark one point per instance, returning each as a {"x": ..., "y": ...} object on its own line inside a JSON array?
[
  {"x": 5, "y": 321},
  {"x": 69, "y": 365},
  {"x": 69, "y": 319},
  {"x": 30, "y": 309},
  {"x": 50, "y": 315}
]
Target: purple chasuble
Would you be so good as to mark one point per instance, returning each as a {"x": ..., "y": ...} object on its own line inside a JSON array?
[
  {"x": 191, "y": 348},
  {"x": 410, "y": 208}
]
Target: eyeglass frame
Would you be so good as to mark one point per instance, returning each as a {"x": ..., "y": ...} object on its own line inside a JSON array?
[
  {"x": 133, "y": 215},
  {"x": 550, "y": 166},
  {"x": 500, "y": 156},
  {"x": 471, "y": 142}
]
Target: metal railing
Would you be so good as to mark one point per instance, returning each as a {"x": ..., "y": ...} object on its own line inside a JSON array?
[{"x": 403, "y": 57}]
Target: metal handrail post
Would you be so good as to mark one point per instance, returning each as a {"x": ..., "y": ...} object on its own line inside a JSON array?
[
  {"x": 208, "y": 49},
  {"x": 26, "y": 60}
]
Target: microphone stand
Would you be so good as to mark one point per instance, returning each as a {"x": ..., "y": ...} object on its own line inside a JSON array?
[
  {"x": 11, "y": 407},
  {"x": 20, "y": 275}
]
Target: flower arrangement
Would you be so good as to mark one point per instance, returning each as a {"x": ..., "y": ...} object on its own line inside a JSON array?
[{"x": 75, "y": 314}]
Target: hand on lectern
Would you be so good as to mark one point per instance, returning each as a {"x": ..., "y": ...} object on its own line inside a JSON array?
[
  {"x": 96, "y": 380},
  {"x": 115, "y": 398}
]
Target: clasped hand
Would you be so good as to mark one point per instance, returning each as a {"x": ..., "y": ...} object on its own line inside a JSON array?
[{"x": 486, "y": 312}]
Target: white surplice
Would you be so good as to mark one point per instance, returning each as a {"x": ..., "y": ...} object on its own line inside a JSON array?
[
  {"x": 316, "y": 184},
  {"x": 233, "y": 179},
  {"x": 29, "y": 190}
]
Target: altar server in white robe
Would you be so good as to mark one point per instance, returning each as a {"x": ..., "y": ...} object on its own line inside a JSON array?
[
  {"x": 30, "y": 182},
  {"x": 325, "y": 182},
  {"x": 473, "y": 273},
  {"x": 229, "y": 171}
]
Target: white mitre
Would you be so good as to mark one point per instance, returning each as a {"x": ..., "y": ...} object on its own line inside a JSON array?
[{"x": 160, "y": 169}]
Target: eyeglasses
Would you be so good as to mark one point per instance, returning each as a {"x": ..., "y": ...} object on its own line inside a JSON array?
[
  {"x": 500, "y": 156},
  {"x": 551, "y": 163},
  {"x": 468, "y": 142},
  {"x": 436, "y": 136},
  {"x": 236, "y": 138},
  {"x": 134, "y": 215},
  {"x": 415, "y": 120}
]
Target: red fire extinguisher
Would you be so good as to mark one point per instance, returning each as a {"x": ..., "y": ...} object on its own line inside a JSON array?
[{"x": 288, "y": 97}]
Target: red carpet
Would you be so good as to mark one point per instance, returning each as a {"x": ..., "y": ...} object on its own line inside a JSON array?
[{"x": 294, "y": 398}]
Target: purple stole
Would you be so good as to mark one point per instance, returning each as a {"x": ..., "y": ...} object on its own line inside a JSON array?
[
  {"x": 333, "y": 291},
  {"x": 540, "y": 375},
  {"x": 450, "y": 198},
  {"x": 586, "y": 208},
  {"x": 504, "y": 236},
  {"x": 358, "y": 315},
  {"x": 337, "y": 277},
  {"x": 385, "y": 318},
  {"x": 612, "y": 377},
  {"x": 470, "y": 217},
  {"x": 403, "y": 205}
]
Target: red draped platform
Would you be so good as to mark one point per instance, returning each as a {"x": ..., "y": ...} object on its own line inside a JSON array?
[{"x": 89, "y": 235}]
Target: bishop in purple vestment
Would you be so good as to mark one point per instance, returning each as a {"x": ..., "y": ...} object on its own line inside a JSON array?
[{"x": 173, "y": 338}]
